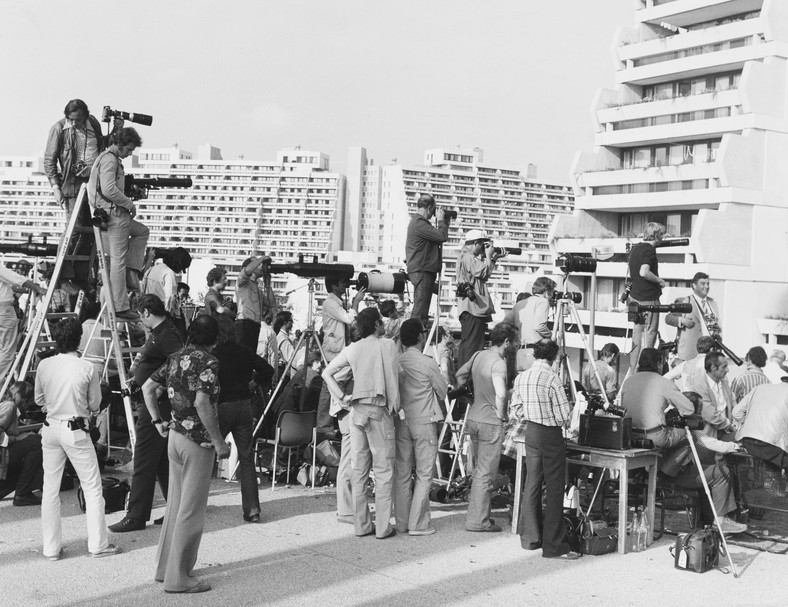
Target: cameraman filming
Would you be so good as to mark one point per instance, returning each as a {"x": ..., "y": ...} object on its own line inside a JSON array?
[
  {"x": 646, "y": 289},
  {"x": 423, "y": 252},
  {"x": 125, "y": 239},
  {"x": 475, "y": 265},
  {"x": 73, "y": 144}
]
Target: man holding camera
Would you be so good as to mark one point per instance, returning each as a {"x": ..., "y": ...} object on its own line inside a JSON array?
[
  {"x": 475, "y": 265},
  {"x": 646, "y": 289},
  {"x": 533, "y": 320},
  {"x": 704, "y": 320},
  {"x": 254, "y": 300},
  {"x": 73, "y": 145},
  {"x": 646, "y": 396},
  {"x": 150, "y": 451},
  {"x": 423, "y": 252},
  {"x": 124, "y": 238},
  {"x": 336, "y": 325}
]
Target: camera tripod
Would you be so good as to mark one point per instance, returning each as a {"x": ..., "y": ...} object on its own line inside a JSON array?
[
  {"x": 564, "y": 308},
  {"x": 305, "y": 340}
]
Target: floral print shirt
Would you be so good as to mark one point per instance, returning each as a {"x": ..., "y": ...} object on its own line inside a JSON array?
[{"x": 186, "y": 373}]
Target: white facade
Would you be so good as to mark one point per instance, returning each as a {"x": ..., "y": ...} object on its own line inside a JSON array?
[
  {"x": 233, "y": 210},
  {"x": 514, "y": 209},
  {"x": 695, "y": 136}
]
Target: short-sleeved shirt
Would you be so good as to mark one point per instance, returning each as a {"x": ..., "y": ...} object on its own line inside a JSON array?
[
  {"x": 642, "y": 289},
  {"x": 186, "y": 373},
  {"x": 486, "y": 366}
]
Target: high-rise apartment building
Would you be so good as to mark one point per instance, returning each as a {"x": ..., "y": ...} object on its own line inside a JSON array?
[
  {"x": 695, "y": 136},
  {"x": 514, "y": 209},
  {"x": 239, "y": 208},
  {"x": 234, "y": 208}
]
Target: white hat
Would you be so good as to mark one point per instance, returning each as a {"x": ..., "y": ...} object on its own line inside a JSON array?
[{"x": 474, "y": 235}]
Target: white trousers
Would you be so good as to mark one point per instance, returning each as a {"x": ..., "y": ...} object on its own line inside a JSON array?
[{"x": 58, "y": 443}]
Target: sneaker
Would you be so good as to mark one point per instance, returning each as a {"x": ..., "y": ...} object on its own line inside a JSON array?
[
  {"x": 729, "y": 526},
  {"x": 127, "y": 524},
  {"x": 427, "y": 531},
  {"x": 110, "y": 550}
]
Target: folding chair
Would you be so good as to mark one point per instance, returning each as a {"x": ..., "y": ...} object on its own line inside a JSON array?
[{"x": 293, "y": 429}]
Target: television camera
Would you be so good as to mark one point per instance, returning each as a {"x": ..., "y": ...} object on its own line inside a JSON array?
[
  {"x": 137, "y": 188},
  {"x": 636, "y": 311},
  {"x": 573, "y": 296},
  {"x": 674, "y": 419},
  {"x": 108, "y": 114},
  {"x": 669, "y": 242},
  {"x": 30, "y": 248},
  {"x": 373, "y": 281}
]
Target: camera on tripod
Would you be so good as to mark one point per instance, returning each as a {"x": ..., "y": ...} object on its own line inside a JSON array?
[
  {"x": 33, "y": 249},
  {"x": 572, "y": 296},
  {"x": 636, "y": 312},
  {"x": 465, "y": 290},
  {"x": 596, "y": 402},
  {"x": 108, "y": 113}
]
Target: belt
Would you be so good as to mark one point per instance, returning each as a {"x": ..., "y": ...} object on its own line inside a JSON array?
[{"x": 647, "y": 430}]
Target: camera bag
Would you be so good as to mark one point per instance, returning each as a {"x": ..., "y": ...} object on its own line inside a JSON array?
[
  {"x": 698, "y": 550},
  {"x": 114, "y": 491}
]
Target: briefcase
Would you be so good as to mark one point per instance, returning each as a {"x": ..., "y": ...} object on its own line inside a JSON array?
[{"x": 605, "y": 431}]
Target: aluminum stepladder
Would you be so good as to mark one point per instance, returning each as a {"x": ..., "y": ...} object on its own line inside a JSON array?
[{"x": 32, "y": 342}]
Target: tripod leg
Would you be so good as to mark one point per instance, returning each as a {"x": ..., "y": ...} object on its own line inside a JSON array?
[{"x": 711, "y": 502}]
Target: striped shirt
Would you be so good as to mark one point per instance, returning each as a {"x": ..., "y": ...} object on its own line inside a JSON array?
[
  {"x": 542, "y": 395},
  {"x": 750, "y": 379}
]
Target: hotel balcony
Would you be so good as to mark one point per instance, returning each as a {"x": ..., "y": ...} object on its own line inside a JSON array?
[
  {"x": 682, "y": 13},
  {"x": 696, "y": 53}
]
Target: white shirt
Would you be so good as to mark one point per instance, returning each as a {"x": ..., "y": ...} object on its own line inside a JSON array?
[
  {"x": 8, "y": 278},
  {"x": 67, "y": 386},
  {"x": 774, "y": 372}
]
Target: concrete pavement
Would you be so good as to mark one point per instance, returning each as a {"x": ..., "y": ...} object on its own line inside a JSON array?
[{"x": 300, "y": 555}]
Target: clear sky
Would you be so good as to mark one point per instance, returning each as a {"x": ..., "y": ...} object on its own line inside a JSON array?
[{"x": 515, "y": 77}]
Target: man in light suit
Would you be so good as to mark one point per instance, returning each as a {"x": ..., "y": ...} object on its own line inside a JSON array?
[
  {"x": 703, "y": 320},
  {"x": 718, "y": 398}
]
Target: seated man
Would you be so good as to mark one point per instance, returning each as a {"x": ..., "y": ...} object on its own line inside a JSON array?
[
  {"x": 608, "y": 375},
  {"x": 763, "y": 414},
  {"x": 691, "y": 372},
  {"x": 646, "y": 395},
  {"x": 718, "y": 399},
  {"x": 25, "y": 472}
]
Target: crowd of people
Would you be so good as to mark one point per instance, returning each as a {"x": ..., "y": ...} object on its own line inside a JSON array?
[{"x": 374, "y": 382}]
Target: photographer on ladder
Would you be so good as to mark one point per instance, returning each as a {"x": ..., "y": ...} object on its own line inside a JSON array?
[
  {"x": 646, "y": 289},
  {"x": 73, "y": 144},
  {"x": 423, "y": 252},
  {"x": 125, "y": 238},
  {"x": 475, "y": 265}
]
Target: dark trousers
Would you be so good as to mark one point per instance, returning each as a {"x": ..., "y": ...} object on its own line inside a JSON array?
[
  {"x": 247, "y": 332},
  {"x": 765, "y": 451},
  {"x": 423, "y": 284},
  {"x": 545, "y": 457},
  {"x": 473, "y": 329},
  {"x": 150, "y": 463},
  {"x": 236, "y": 417},
  {"x": 25, "y": 467}
]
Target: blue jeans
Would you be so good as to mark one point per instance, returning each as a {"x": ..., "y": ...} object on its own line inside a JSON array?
[{"x": 486, "y": 440}]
